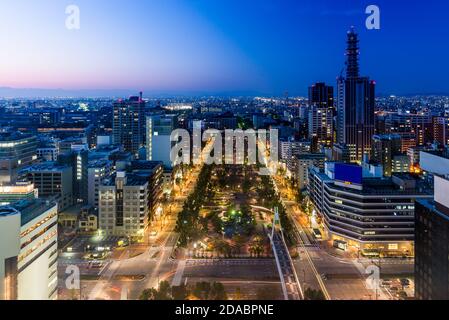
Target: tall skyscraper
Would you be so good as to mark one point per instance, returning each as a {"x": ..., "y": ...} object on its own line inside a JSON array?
[
  {"x": 129, "y": 123},
  {"x": 321, "y": 125},
  {"x": 321, "y": 113},
  {"x": 321, "y": 95},
  {"x": 355, "y": 104}
]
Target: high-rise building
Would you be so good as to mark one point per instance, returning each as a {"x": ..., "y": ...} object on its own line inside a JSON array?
[
  {"x": 288, "y": 148},
  {"x": 159, "y": 129},
  {"x": 301, "y": 165},
  {"x": 97, "y": 171},
  {"x": 29, "y": 251},
  {"x": 441, "y": 130},
  {"x": 321, "y": 95},
  {"x": 154, "y": 172},
  {"x": 16, "y": 151},
  {"x": 413, "y": 155},
  {"x": 123, "y": 205},
  {"x": 341, "y": 153},
  {"x": 386, "y": 151},
  {"x": 128, "y": 125},
  {"x": 77, "y": 159},
  {"x": 321, "y": 125},
  {"x": 355, "y": 104},
  {"x": 53, "y": 181},
  {"x": 48, "y": 151},
  {"x": 432, "y": 244},
  {"x": 415, "y": 127}
]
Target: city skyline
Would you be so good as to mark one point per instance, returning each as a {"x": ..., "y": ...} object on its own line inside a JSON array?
[
  {"x": 203, "y": 48},
  {"x": 231, "y": 150}
]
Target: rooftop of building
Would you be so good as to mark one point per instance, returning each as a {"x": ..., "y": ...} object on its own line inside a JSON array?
[
  {"x": 387, "y": 136},
  {"x": 107, "y": 148},
  {"x": 306, "y": 156},
  {"x": 432, "y": 206},
  {"x": 132, "y": 180},
  {"x": 47, "y": 145},
  {"x": 439, "y": 153},
  {"x": 227, "y": 114},
  {"x": 386, "y": 186},
  {"x": 6, "y": 211},
  {"x": 121, "y": 155},
  {"x": 13, "y": 136},
  {"x": 71, "y": 211},
  {"x": 131, "y": 99},
  {"x": 29, "y": 209},
  {"x": 145, "y": 165},
  {"x": 45, "y": 166},
  {"x": 99, "y": 163}
]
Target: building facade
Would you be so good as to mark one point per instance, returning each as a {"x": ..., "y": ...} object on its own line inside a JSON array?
[
  {"x": 355, "y": 105},
  {"x": 301, "y": 165},
  {"x": 386, "y": 151},
  {"x": 53, "y": 181},
  {"x": 9, "y": 194},
  {"x": 321, "y": 124},
  {"x": 28, "y": 251},
  {"x": 16, "y": 151},
  {"x": 432, "y": 245},
  {"x": 97, "y": 171},
  {"x": 158, "y": 145},
  {"x": 128, "y": 125},
  {"x": 123, "y": 205},
  {"x": 374, "y": 215}
]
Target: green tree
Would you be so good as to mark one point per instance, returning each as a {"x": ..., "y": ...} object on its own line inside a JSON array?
[
  {"x": 402, "y": 295},
  {"x": 164, "y": 291},
  {"x": 218, "y": 291},
  {"x": 257, "y": 247},
  {"x": 312, "y": 294},
  {"x": 239, "y": 242},
  {"x": 147, "y": 294},
  {"x": 179, "y": 292},
  {"x": 264, "y": 294},
  {"x": 202, "y": 290},
  {"x": 238, "y": 294}
]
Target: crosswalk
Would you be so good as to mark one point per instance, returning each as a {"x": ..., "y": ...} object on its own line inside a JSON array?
[{"x": 233, "y": 262}]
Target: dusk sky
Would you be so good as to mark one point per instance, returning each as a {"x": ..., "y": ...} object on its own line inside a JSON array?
[{"x": 221, "y": 46}]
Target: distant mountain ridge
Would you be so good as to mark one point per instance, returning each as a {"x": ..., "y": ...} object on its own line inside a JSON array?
[{"x": 8, "y": 92}]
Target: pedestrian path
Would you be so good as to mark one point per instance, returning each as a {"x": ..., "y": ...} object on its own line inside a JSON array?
[{"x": 179, "y": 273}]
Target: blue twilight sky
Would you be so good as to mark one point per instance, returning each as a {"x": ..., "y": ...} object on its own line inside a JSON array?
[{"x": 221, "y": 46}]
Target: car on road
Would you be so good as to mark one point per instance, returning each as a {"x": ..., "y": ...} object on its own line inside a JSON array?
[
  {"x": 317, "y": 234},
  {"x": 405, "y": 282},
  {"x": 153, "y": 233}
]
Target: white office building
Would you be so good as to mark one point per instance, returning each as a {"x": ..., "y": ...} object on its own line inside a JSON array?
[
  {"x": 159, "y": 129},
  {"x": 28, "y": 251}
]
